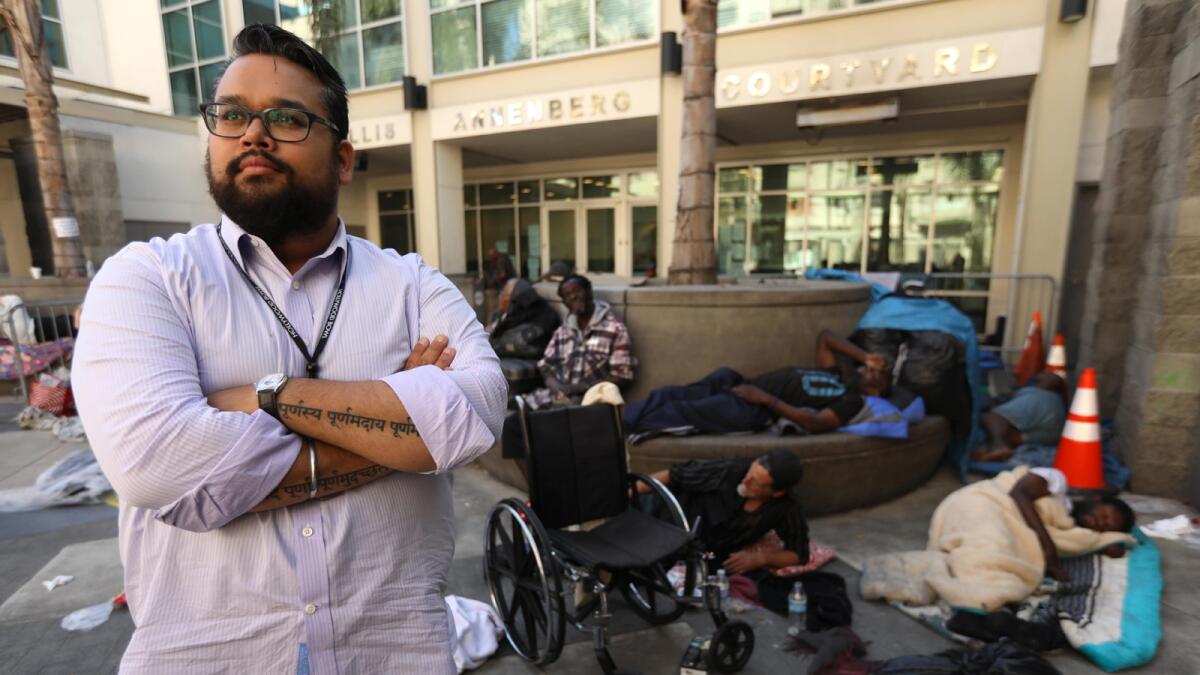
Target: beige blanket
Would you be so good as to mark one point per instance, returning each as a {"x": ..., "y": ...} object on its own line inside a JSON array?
[{"x": 980, "y": 554}]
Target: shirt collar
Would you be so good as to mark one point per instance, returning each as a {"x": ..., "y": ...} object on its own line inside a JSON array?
[{"x": 236, "y": 238}]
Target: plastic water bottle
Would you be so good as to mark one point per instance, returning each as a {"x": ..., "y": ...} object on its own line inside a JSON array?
[
  {"x": 723, "y": 586},
  {"x": 797, "y": 608}
]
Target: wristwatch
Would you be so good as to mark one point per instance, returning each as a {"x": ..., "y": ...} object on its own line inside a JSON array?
[{"x": 268, "y": 389}]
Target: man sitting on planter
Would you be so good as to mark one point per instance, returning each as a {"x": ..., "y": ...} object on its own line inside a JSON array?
[
  {"x": 816, "y": 400},
  {"x": 591, "y": 346}
]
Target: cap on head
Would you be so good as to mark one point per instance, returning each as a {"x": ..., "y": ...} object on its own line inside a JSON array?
[{"x": 784, "y": 466}]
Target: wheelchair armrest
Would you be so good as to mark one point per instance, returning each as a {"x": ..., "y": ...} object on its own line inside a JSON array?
[{"x": 663, "y": 493}]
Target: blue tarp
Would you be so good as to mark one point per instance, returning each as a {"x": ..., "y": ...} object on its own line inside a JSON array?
[
  {"x": 913, "y": 314},
  {"x": 878, "y": 291}
]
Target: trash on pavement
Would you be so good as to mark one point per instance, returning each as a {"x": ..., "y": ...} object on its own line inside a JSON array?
[
  {"x": 89, "y": 617},
  {"x": 75, "y": 479},
  {"x": 60, "y": 580},
  {"x": 1177, "y": 527}
]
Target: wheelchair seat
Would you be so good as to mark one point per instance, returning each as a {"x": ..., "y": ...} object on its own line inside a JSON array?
[{"x": 630, "y": 540}]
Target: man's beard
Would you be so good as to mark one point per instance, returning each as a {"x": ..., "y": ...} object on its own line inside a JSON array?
[{"x": 272, "y": 215}]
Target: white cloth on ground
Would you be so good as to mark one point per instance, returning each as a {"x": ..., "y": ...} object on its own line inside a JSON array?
[
  {"x": 1056, "y": 482},
  {"x": 477, "y": 629}
]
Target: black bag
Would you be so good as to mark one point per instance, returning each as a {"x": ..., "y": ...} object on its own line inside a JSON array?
[
  {"x": 524, "y": 341},
  {"x": 1000, "y": 658},
  {"x": 828, "y": 604}
]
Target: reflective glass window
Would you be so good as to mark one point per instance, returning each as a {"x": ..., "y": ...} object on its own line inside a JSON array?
[
  {"x": 621, "y": 21},
  {"x": 563, "y": 26},
  {"x": 383, "y": 53},
  {"x": 507, "y": 31},
  {"x": 600, "y": 187},
  {"x": 454, "y": 46},
  {"x": 561, "y": 188},
  {"x": 644, "y": 227}
]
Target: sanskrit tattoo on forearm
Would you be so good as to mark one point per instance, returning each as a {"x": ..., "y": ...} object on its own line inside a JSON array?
[
  {"x": 348, "y": 418},
  {"x": 298, "y": 411},
  {"x": 333, "y": 481}
]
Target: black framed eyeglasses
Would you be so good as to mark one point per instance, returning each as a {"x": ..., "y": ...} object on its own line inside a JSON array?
[{"x": 288, "y": 125}]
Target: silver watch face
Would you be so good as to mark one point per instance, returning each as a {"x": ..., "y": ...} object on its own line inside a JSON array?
[{"x": 271, "y": 382}]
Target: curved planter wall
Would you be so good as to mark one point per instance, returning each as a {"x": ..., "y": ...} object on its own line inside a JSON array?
[{"x": 681, "y": 333}]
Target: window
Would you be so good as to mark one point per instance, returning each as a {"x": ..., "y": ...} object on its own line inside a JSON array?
[
  {"x": 397, "y": 229},
  {"x": 470, "y": 34},
  {"x": 367, "y": 47},
  {"x": 195, "y": 41},
  {"x": 916, "y": 213},
  {"x": 507, "y": 216},
  {"x": 53, "y": 30},
  {"x": 734, "y": 13}
]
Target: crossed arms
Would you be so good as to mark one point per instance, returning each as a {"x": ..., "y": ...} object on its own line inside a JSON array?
[{"x": 198, "y": 464}]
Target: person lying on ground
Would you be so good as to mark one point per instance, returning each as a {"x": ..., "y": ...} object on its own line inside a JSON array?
[
  {"x": 1035, "y": 414},
  {"x": 524, "y": 323},
  {"x": 1102, "y": 514},
  {"x": 590, "y": 347},
  {"x": 738, "y": 501},
  {"x": 817, "y": 400}
]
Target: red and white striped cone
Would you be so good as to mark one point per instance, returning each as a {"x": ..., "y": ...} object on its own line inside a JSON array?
[
  {"x": 1033, "y": 354},
  {"x": 1057, "y": 361},
  {"x": 1079, "y": 453}
]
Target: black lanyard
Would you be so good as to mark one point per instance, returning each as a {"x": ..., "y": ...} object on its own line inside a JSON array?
[{"x": 310, "y": 361}]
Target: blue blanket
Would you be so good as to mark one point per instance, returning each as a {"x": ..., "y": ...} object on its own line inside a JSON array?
[{"x": 913, "y": 314}]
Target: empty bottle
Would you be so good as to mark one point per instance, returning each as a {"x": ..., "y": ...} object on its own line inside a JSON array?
[
  {"x": 723, "y": 586},
  {"x": 797, "y": 608}
]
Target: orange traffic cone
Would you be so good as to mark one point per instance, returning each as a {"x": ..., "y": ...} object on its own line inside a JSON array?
[
  {"x": 1057, "y": 361},
  {"x": 1079, "y": 449},
  {"x": 1033, "y": 355}
]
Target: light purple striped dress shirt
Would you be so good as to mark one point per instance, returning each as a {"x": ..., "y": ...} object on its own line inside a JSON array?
[{"x": 358, "y": 577}]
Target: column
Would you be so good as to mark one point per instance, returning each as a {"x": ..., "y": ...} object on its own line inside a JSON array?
[
  {"x": 670, "y": 127},
  {"x": 1053, "y": 129},
  {"x": 436, "y": 165}
]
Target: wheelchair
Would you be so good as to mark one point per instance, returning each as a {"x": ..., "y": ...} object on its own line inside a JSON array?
[{"x": 576, "y": 466}]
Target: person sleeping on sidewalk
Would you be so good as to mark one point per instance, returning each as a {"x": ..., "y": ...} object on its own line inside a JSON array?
[
  {"x": 816, "y": 400},
  {"x": 1035, "y": 415},
  {"x": 1102, "y": 514}
]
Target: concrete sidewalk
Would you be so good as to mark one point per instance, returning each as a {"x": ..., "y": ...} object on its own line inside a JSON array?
[{"x": 80, "y": 540}]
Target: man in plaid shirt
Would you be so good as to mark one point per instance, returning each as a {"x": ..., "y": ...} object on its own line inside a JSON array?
[{"x": 591, "y": 346}]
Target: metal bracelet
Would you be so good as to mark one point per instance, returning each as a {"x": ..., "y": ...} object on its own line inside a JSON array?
[{"x": 312, "y": 466}]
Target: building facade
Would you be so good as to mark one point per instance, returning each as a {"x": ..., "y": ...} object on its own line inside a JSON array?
[{"x": 903, "y": 137}]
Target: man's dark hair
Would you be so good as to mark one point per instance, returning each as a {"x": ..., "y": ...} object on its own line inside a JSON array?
[
  {"x": 1084, "y": 506},
  {"x": 261, "y": 38},
  {"x": 574, "y": 279},
  {"x": 784, "y": 467}
]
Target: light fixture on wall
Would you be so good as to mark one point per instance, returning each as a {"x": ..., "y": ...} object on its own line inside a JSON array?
[
  {"x": 415, "y": 97},
  {"x": 1073, "y": 10},
  {"x": 828, "y": 117},
  {"x": 672, "y": 53}
]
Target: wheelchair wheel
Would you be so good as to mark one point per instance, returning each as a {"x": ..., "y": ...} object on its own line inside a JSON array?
[
  {"x": 651, "y": 596},
  {"x": 524, "y": 581},
  {"x": 731, "y": 647}
]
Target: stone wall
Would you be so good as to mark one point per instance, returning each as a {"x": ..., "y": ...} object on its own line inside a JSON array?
[
  {"x": 95, "y": 190},
  {"x": 1141, "y": 324},
  {"x": 92, "y": 175}
]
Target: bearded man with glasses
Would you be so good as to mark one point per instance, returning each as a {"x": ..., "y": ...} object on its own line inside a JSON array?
[{"x": 265, "y": 398}]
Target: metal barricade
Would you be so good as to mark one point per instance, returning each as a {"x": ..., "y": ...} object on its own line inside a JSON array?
[
  {"x": 52, "y": 321},
  {"x": 985, "y": 296}
]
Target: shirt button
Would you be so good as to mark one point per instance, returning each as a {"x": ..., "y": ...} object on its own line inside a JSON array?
[
  {"x": 306, "y": 532},
  {"x": 310, "y": 608},
  {"x": 295, "y": 285}
]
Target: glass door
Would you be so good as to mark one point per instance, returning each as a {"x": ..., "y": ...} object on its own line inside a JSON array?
[
  {"x": 600, "y": 222},
  {"x": 560, "y": 241}
]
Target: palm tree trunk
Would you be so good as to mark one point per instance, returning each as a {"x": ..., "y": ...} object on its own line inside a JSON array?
[
  {"x": 694, "y": 256},
  {"x": 24, "y": 18}
]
